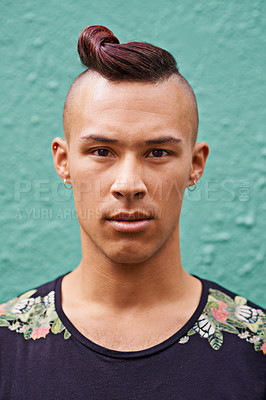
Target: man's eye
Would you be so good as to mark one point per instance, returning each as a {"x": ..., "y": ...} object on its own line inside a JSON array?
[
  {"x": 158, "y": 153},
  {"x": 101, "y": 152}
]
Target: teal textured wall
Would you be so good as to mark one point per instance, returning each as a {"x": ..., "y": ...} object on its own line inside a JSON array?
[{"x": 220, "y": 48}]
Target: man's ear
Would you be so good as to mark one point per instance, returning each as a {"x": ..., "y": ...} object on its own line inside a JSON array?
[
  {"x": 199, "y": 157},
  {"x": 60, "y": 155}
]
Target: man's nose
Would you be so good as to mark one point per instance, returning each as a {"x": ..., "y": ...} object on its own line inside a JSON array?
[{"x": 128, "y": 183}]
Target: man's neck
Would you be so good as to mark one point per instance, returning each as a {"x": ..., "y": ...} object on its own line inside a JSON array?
[{"x": 118, "y": 288}]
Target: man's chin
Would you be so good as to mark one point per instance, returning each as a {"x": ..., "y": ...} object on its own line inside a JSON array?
[
  {"x": 125, "y": 250},
  {"x": 128, "y": 256}
]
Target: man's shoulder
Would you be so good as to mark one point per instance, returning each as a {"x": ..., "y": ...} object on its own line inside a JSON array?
[
  {"x": 216, "y": 289},
  {"x": 228, "y": 312},
  {"x": 31, "y": 313}
]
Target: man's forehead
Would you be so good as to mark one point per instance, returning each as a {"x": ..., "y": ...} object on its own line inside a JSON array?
[{"x": 92, "y": 93}]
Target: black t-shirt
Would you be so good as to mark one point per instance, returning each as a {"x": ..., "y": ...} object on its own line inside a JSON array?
[{"x": 220, "y": 353}]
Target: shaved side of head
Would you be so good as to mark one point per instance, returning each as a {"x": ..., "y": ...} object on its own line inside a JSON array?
[{"x": 69, "y": 107}]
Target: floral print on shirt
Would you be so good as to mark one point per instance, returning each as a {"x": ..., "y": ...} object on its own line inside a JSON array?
[
  {"x": 34, "y": 317},
  {"x": 222, "y": 313}
]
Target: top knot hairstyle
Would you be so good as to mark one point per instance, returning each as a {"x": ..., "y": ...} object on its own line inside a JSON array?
[{"x": 100, "y": 51}]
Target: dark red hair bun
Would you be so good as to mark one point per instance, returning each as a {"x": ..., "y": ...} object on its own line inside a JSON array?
[
  {"x": 90, "y": 42},
  {"x": 100, "y": 50}
]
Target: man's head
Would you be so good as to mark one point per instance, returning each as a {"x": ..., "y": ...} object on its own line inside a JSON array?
[
  {"x": 130, "y": 149},
  {"x": 101, "y": 52}
]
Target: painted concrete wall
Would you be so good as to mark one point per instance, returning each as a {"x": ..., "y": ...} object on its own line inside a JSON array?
[{"x": 220, "y": 48}]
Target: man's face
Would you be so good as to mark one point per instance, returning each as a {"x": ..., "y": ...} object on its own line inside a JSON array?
[{"x": 129, "y": 154}]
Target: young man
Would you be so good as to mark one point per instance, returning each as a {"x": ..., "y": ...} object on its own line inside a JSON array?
[{"x": 129, "y": 322}]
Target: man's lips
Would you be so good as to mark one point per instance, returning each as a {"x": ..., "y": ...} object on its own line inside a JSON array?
[
  {"x": 126, "y": 216},
  {"x": 129, "y": 222}
]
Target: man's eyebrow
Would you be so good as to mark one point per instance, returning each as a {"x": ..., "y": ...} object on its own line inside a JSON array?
[
  {"x": 96, "y": 138},
  {"x": 104, "y": 139},
  {"x": 164, "y": 139}
]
